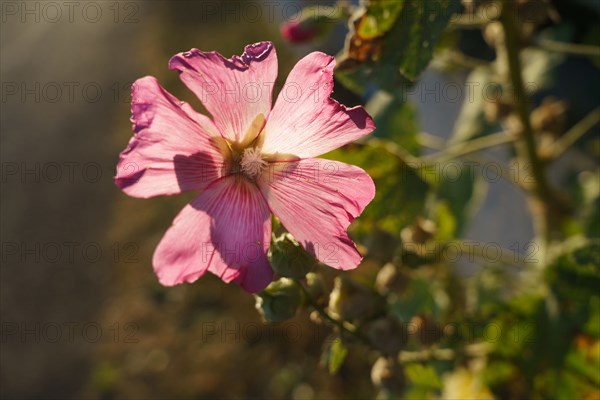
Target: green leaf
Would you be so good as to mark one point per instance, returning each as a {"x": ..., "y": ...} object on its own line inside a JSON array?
[
  {"x": 392, "y": 42},
  {"x": 575, "y": 276},
  {"x": 445, "y": 222},
  {"x": 418, "y": 30},
  {"x": 423, "y": 375},
  {"x": 592, "y": 326},
  {"x": 419, "y": 298},
  {"x": 460, "y": 188},
  {"x": 336, "y": 355},
  {"x": 379, "y": 18}
]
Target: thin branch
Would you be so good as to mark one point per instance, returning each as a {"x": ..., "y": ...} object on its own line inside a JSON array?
[
  {"x": 460, "y": 59},
  {"x": 471, "y": 146},
  {"x": 468, "y": 21},
  {"x": 436, "y": 143},
  {"x": 576, "y": 132},
  {"x": 389, "y": 147},
  {"x": 431, "y": 141},
  {"x": 472, "y": 350},
  {"x": 480, "y": 250},
  {"x": 569, "y": 48},
  {"x": 342, "y": 325}
]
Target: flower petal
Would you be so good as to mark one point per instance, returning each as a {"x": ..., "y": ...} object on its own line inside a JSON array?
[
  {"x": 305, "y": 121},
  {"x": 316, "y": 200},
  {"x": 236, "y": 90},
  {"x": 174, "y": 149},
  {"x": 226, "y": 230}
]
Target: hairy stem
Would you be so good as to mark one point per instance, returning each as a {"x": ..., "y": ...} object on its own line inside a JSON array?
[{"x": 527, "y": 148}]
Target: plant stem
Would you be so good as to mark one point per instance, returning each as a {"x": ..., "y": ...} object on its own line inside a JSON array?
[
  {"x": 342, "y": 325},
  {"x": 528, "y": 148}
]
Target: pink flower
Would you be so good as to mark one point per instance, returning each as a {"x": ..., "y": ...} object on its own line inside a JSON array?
[{"x": 247, "y": 162}]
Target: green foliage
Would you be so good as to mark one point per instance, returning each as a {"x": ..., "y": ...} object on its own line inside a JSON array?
[
  {"x": 575, "y": 276},
  {"x": 391, "y": 42},
  {"x": 335, "y": 355},
  {"x": 395, "y": 120},
  {"x": 419, "y": 298},
  {"x": 400, "y": 191},
  {"x": 423, "y": 376},
  {"x": 458, "y": 186}
]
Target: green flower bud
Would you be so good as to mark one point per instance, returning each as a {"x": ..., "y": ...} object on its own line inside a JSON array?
[
  {"x": 288, "y": 259},
  {"x": 315, "y": 285},
  {"x": 279, "y": 301},
  {"x": 350, "y": 300}
]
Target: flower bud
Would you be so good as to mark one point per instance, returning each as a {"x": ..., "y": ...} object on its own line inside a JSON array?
[
  {"x": 316, "y": 318},
  {"x": 387, "y": 374},
  {"x": 350, "y": 300},
  {"x": 279, "y": 301},
  {"x": 425, "y": 330},
  {"x": 390, "y": 279},
  {"x": 416, "y": 237},
  {"x": 549, "y": 117},
  {"x": 315, "y": 285},
  {"x": 288, "y": 259},
  {"x": 493, "y": 33},
  {"x": 419, "y": 232},
  {"x": 312, "y": 23},
  {"x": 298, "y": 32},
  {"x": 387, "y": 334}
]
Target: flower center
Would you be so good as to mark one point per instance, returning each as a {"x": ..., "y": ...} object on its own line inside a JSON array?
[{"x": 252, "y": 162}]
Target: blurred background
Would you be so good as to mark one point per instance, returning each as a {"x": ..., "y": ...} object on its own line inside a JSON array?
[{"x": 83, "y": 315}]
